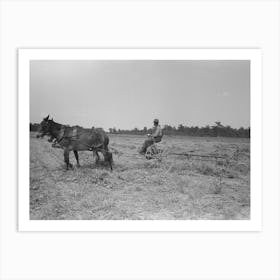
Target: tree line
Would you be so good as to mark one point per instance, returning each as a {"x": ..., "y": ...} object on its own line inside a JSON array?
[
  {"x": 216, "y": 130},
  {"x": 34, "y": 126}
]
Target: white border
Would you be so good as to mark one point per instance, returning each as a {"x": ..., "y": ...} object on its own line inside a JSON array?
[{"x": 254, "y": 55}]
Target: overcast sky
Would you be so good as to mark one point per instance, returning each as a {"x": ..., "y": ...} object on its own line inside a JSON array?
[{"x": 128, "y": 94}]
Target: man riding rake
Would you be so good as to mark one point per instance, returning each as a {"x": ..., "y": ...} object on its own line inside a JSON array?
[{"x": 153, "y": 138}]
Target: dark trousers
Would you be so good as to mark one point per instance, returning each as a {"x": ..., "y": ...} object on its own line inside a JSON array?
[{"x": 150, "y": 141}]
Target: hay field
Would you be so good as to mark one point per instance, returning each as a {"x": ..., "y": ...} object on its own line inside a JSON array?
[{"x": 171, "y": 187}]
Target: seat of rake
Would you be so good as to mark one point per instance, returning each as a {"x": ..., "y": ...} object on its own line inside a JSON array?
[{"x": 155, "y": 151}]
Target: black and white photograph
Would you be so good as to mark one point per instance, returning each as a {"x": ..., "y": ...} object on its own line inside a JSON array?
[{"x": 140, "y": 140}]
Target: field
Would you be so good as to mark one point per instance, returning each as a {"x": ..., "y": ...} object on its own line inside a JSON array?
[{"x": 172, "y": 186}]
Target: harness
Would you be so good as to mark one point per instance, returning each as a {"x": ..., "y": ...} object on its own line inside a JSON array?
[
  {"x": 64, "y": 136},
  {"x": 75, "y": 136}
]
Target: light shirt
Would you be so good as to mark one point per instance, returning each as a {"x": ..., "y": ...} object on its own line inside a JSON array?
[{"x": 157, "y": 131}]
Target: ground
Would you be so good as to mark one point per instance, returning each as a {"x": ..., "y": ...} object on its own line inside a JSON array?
[{"x": 173, "y": 186}]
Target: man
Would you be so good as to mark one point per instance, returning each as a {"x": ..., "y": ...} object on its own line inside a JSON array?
[{"x": 155, "y": 137}]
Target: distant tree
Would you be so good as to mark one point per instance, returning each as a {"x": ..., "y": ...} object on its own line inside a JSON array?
[
  {"x": 218, "y": 128},
  {"x": 99, "y": 129},
  {"x": 34, "y": 126},
  {"x": 180, "y": 128}
]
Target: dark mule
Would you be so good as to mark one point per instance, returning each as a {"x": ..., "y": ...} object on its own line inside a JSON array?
[
  {"x": 77, "y": 139},
  {"x": 81, "y": 139}
]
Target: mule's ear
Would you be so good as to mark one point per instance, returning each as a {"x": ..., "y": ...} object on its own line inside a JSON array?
[
  {"x": 47, "y": 117},
  {"x": 52, "y": 119}
]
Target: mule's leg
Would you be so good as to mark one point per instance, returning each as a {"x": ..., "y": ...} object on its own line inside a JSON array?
[
  {"x": 66, "y": 158},
  {"x": 108, "y": 157},
  {"x": 97, "y": 156},
  {"x": 77, "y": 157}
]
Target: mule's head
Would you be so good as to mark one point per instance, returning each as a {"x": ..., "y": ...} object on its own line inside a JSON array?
[{"x": 43, "y": 127}]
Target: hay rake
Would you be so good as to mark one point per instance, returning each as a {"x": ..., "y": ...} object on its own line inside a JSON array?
[{"x": 158, "y": 153}]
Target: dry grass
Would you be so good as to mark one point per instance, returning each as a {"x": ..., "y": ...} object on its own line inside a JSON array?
[{"x": 171, "y": 188}]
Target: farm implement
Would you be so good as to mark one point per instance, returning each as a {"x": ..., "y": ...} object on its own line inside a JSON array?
[
  {"x": 237, "y": 158},
  {"x": 155, "y": 152}
]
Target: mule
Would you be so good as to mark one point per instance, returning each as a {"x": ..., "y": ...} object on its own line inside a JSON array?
[{"x": 77, "y": 139}]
